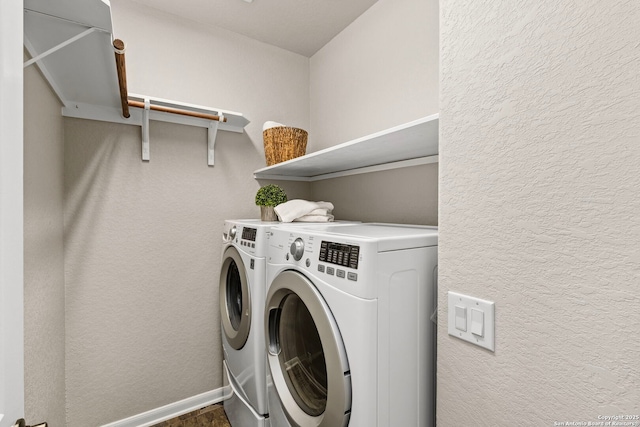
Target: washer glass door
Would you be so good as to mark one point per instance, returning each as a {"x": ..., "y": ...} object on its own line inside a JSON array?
[
  {"x": 301, "y": 356},
  {"x": 235, "y": 303},
  {"x": 306, "y": 355}
]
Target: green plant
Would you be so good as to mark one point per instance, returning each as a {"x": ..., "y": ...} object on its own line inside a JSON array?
[{"x": 270, "y": 195}]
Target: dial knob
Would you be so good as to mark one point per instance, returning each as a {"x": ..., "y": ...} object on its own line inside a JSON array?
[
  {"x": 232, "y": 232},
  {"x": 297, "y": 249}
]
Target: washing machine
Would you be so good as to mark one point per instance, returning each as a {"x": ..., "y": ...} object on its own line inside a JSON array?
[
  {"x": 348, "y": 326},
  {"x": 242, "y": 292}
]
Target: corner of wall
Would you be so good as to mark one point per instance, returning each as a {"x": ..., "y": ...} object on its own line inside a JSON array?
[
  {"x": 44, "y": 298},
  {"x": 380, "y": 72}
]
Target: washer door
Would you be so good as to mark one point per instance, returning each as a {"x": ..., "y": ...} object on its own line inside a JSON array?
[
  {"x": 235, "y": 302},
  {"x": 306, "y": 355}
]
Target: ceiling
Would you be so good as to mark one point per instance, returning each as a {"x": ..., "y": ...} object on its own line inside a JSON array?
[{"x": 301, "y": 26}]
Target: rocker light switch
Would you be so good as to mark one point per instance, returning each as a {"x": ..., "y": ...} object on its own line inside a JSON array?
[
  {"x": 477, "y": 322},
  {"x": 461, "y": 318}
]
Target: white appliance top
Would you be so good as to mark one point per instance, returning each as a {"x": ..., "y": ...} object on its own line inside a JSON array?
[
  {"x": 252, "y": 235},
  {"x": 389, "y": 237},
  {"x": 254, "y": 222}
]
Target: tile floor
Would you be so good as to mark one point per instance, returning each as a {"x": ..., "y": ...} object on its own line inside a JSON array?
[{"x": 211, "y": 416}]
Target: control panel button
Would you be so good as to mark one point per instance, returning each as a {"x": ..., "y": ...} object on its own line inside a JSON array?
[
  {"x": 330, "y": 270},
  {"x": 340, "y": 273},
  {"x": 321, "y": 268},
  {"x": 352, "y": 276}
]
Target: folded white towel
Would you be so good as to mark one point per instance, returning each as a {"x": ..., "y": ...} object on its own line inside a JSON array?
[
  {"x": 296, "y": 208},
  {"x": 269, "y": 125},
  {"x": 321, "y": 211},
  {"x": 314, "y": 218}
]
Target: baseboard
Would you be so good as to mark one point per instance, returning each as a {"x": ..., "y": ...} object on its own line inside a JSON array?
[{"x": 175, "y": 409}]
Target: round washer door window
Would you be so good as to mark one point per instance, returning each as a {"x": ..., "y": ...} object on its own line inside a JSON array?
[
  {"x": 235, "y": 303},
  {"x": 301, "y": 356},
  {"x": 306, "y": 354}
]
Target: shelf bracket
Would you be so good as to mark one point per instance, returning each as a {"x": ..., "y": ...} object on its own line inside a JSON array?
[
  {"x": 61, "y": 45},
  {"x": 212, "y": 133},
  {"x": 164, "y": 110},
  {"x": 145, "y": 130}
]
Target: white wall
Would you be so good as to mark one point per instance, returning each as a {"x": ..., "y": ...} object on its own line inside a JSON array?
[
  {"x": 142, "y": 240},
  {"x": 539, "y": 155},
  {"x": 11, "y": 211},
  {"x": 43, "y": 253},
  {"x": 380, "y": 72},
  {"x": 406, "y": 196}
]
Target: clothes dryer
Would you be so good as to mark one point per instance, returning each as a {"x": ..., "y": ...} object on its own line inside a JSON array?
[
  {"x": 241, "y": 296},
  {"x": 347, "y": 325}
]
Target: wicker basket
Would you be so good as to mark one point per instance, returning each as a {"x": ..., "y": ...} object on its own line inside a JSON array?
[{"x": 284, "y": 143}]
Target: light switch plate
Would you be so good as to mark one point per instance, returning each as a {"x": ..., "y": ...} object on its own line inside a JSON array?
[{"x": 488, "y": 310}]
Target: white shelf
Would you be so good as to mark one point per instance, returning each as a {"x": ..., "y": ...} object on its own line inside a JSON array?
[
  {"x": 71, "y": 41},
  {"x": 84, "y": 71},
  {"x": 235, "y": 121},
  {"x": 410, "y": 144}
]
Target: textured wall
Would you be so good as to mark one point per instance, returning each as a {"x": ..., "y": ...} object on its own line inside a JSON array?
[
  {"x": 142, "y": 246},
  {"x": 539, "y": 202},
  {"x": 142, "y": 240},
  {"x": 380, "y": 72},
  {"x": 44, "y": 355}
]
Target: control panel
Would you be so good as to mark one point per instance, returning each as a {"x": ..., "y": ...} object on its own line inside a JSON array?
[
  {"x": 343, "y": 262},
  {"x": 339, "y": 254},
  {"x": 248, "y": 237},
  {"x": 249, "y": 233}
]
